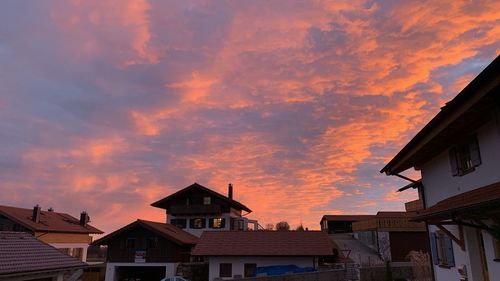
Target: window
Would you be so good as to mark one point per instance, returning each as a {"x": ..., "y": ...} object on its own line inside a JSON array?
[
  {"x": 496, "y": 244},
  {"x": 152, "y": 242},
  {"x": 206, "y": 200},
  {"x": 217, "y": 223},
  {"x": 130, "y": 243},
  {"x": 225, "y": 270},
  {"x": 197, "y": 223},
  {"x": 180, "y": 223},
  {"x": 77, "y": 253},
  {"x": 250, "y": 269},
  {"x": 464, "y": 158},
  {"x": 442, "y": 250}
]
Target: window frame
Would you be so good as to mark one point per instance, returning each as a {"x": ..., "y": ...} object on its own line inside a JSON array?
[
  {"x": 441, "y": 247},
  {"x": 225, "y": 270},
  {"x": 175, "y": 222},
  {"x": 192, "y": 223},
  {"x": 222, "y": 224},
  {"x": 207, "y": 200},
  {"x": 245, "y": 270},
  {"x": 465, "y": 157}
]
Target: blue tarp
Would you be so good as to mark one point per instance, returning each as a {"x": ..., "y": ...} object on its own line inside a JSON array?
[{"x": 282, "y": 269}]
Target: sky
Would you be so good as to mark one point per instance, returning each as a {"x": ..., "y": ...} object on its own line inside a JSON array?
[{"x": 108, "y": 106}]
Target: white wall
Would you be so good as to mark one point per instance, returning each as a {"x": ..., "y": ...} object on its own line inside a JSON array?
[
  {"x": 111, "y": 267},
  {"x": 438, "y": 180},
  {"x": 239, "y": 263}
]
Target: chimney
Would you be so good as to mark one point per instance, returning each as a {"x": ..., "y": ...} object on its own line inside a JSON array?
[
  {"x": 230, "y": 191},
  {"x": 50, "y": 209},
  {"x": 84, "y": 218},
  {"x": 36, "y": 213}
]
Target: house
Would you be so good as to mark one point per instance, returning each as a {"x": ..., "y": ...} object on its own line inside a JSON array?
[
  {"x": 233, "y": 254},
  {"x": 389, "y": 233},
  {"x": 23, "y": 257},
  {"x": 146, "y": 250},
  {"x": 62, "y": 231},
  {"x": 458, "y": 155},
  {"x": 197, "y": 208},
  {"x": 340, "y": 223}
]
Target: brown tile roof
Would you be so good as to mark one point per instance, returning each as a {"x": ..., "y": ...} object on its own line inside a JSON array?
[
  {"x": 481, "y": 197},
  {"x": 263, "y": 243},
  {"x": 163, "y": 203},
  {"x": 49, "y": 221},
  {"x": 22, "y": 253},
  {"x": 165, "y": 230},
  {"x": 346, "y": 217}
]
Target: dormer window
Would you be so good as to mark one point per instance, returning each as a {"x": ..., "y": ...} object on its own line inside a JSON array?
[
  {"x": 207, "y": 200},
  {"x": 465, "y": 157}
]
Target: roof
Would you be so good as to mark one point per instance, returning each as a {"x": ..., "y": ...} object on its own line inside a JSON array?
[
  {"x": 263, "y": 243},
  {"x": 49, "y": 221},
  {"x": 163, "y": 203},
  {"x": 346, "y": 217},
  {"x": 165, "y": 230},
  {"x": 484, "y": 197},
  {"x": 466, "y": 111},
  {"x": 20, "y": 252}
]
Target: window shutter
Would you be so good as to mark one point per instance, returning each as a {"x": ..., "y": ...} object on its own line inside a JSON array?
[
  {"x": 453, "y": 162},
  {"x": 450, "y": 258},
  {"x": 223, "y": 223},
  {"x": 475, "y": 156},
  {"x": 434, "y": 250}
]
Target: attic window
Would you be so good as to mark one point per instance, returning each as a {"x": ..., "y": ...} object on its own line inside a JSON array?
[
  {"x": 206, "y": 200},
  {"x": 464, "y": 158}
]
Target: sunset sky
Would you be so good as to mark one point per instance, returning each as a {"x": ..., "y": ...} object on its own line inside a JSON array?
[{"x": 108, "y": 106}]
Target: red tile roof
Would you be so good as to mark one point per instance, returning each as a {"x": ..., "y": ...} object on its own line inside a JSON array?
[
  {"x": 49, "y": 221},
  {"x": 163, "y": 203},
  {"x": 22, "y": 253},
  {"x": 263, "y": 243},
  {"x": 165, "y": 230},
  {"x": 480, "y": 197}
]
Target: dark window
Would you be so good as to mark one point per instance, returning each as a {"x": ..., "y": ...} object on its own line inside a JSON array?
[
  {"x": 225, "y": 270},
  {"x": 130, "y": 243},
  {"x": 217, "y": 223},
  {"x": 197, "y": 223},
  {"x": 465, "y": 157},
  {"x": 207, "y": 200},
  {"x": 250, "y": 269},
  {"x": 152, "y": 242},
  {"x": 180, "y": 223}
]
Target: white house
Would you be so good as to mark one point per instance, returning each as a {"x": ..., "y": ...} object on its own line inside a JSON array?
[
  {"x": 236, "y": 254},
  {"x": 458, "y": 154}
]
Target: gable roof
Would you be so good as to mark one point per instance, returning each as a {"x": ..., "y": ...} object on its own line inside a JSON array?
[
  {"x": 49, "y": 221},
  {"x": 466, "y": 111},
  {"x": 165, "y": 230},
  {"x": 21, "y": 253},
  {"x": 163, "y": 203},
  {"x": 352, "y": 218},
  {"x": 263, "y": 243}
]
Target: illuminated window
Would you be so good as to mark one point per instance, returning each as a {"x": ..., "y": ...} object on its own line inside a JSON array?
[
  {"x": 197, "y": 223},
  {"x": 206, "y": 200},
  {"x": 217, "y": 223}
]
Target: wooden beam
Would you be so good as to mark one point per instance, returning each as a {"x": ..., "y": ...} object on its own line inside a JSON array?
[{"x": 460, "y": 241}]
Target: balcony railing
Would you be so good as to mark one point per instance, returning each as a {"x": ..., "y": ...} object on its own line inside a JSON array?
[
  {"x": 388, "y": 224},
  {"x": 194, "y": 209}
]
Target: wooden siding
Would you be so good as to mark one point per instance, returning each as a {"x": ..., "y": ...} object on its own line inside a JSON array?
[
  {"x": 415, "y": 205},
  {"x": 400, "y": 246},
  {"x": 388, "y": 224},
  {"x": 165, "y": 251},
  {"x": 63, "y": 237}
]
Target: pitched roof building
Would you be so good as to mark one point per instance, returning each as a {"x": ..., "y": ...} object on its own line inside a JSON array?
[{"x": 23, "y": 257}]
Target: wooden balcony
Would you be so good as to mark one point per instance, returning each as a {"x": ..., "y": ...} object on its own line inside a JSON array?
[
  {"x": 388, "y": 224},
  {"x": 194, "y": 209},
  {"x": 415, "y": 205}
]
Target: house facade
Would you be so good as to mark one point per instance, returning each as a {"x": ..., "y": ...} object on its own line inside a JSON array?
[
  {"x": 458, "y": 154},
  {"x": 236, "y": 254},
  {"x": 23, "y": 258},
  {"x": 197, "y": 208},
  {"x": 146, "y": 250},
  {"x": 340, "y": 223},
  {"x": 62, "y": 231}
]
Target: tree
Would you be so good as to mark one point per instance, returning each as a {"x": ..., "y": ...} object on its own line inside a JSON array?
[
  {"x": 282, "y": 226},
  {"x": 300, "y": 228},
  {"x": 269, "y": 226}
]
